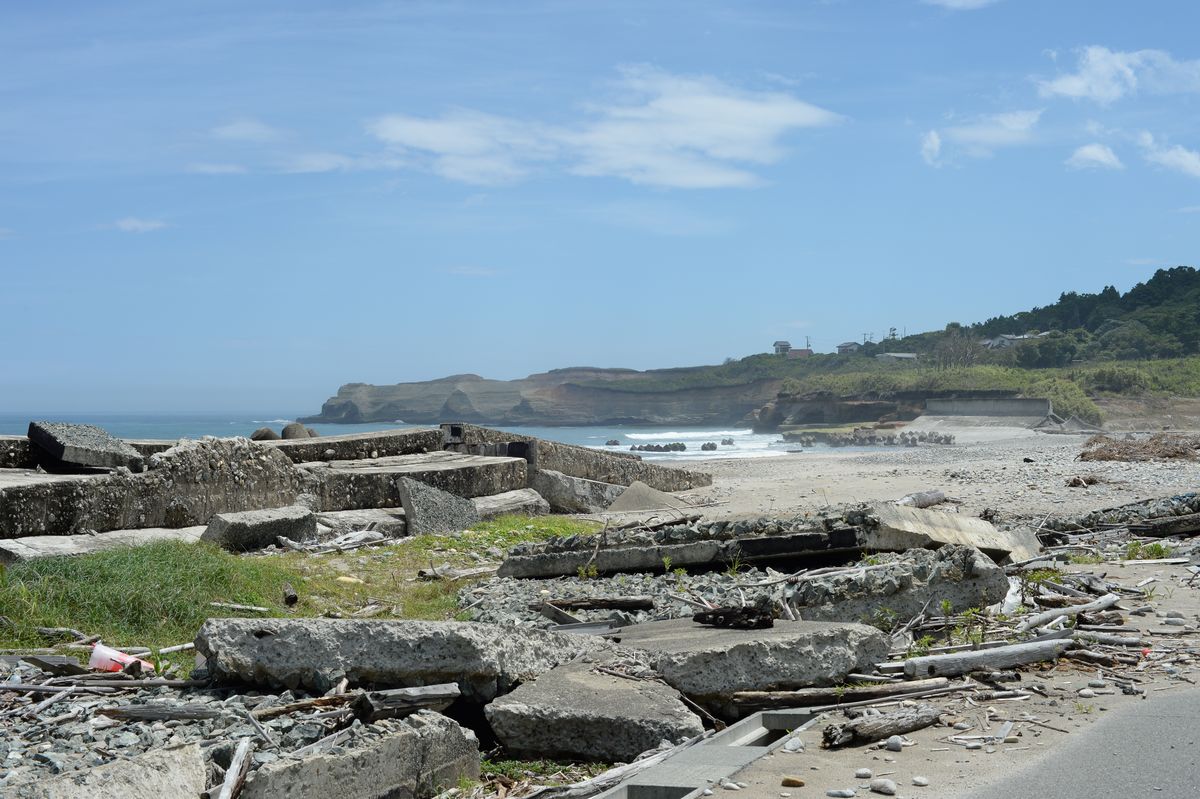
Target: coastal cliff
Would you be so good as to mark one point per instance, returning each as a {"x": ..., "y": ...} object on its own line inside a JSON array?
[{"x": 562, "y": 397}]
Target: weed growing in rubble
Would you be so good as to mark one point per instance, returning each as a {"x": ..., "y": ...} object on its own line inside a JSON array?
[
  {"x": 921, "y": 646},
  {"x": 1136, "y": 550},
  {"x": 736, "y": 566},
  {"x": 1084, "y": 558},
  {"x": 666, "y": 564},
  {"x": 588, "y": 572}
]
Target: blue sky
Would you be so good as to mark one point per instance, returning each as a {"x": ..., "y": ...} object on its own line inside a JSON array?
[{"x": 231, "y": 205}]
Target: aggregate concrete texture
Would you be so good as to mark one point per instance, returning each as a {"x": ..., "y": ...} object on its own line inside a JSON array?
[
  {"x": 257, "y": 529},
  {"x": 431, "y": 510},
  {"x": 705, "y": 661},
  {"x": 83, "y": 445},
  {"x": 484, "y": 659},
  {"x": 171, "y": 773},
  {"x": 577, "y": 713},
  {"x": 416, "y": 758}
]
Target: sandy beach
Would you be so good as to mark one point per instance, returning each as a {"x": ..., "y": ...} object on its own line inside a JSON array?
[{"x": 1017, "y": 473}]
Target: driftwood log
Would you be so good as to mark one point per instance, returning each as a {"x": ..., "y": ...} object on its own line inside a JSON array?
[
  {"x": 869, "y": 729},
  {"x": 375, "y": 705},
  {"x": 953, "y": 664},
  {"x": 765, "y": 700},
  {"x": 1038, "y": 619},
  {"x": 290, "y": 597},
  {"x": 235, "y": 775},
  {"x": 159, "y": 711}
]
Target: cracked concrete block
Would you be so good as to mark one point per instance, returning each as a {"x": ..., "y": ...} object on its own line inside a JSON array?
[
  {"x": 576, "y": 713},
  {"x": 711, "y": 662},
  {"x": 485, "y": 660}
]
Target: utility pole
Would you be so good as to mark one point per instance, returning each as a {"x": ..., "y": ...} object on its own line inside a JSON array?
[{"x": 807, "y": 343}]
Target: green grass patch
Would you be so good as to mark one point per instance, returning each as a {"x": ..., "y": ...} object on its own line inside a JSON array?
[
  {"x": 154, "y": 595},
  {"x": 158, "y": 595},
  {"x": 518, "y": 770}
]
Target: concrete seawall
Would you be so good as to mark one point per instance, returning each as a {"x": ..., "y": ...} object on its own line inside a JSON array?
[{"x": 1025, "y": 407}]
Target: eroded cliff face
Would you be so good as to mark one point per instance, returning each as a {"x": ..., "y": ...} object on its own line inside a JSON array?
[{"x": 562, "y": 397}]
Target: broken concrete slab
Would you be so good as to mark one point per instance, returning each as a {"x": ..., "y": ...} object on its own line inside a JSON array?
[
  {"x": 416, "y": 758},
  {"x": 640, "y": 497},
  {"x": 484, "y": 659},
  {"x": 362, "y": 446},
  {"x": 52, "y": 546},
  {"x": 523, "y": 501},
  {"x": 903, "y": 585},
  {"x": 170, "y": 773},
  {"x": 389, "y": 521},
  {"x": 711, "y": 662},
  {"x": 16, "y": 453},
  {"x": 619, "y": 468},
  {"x": 568, "y": 494},
  {"x": 257, "y": 529},
  {"x": 184, "y": 486},
  {"x": 83, "y": 445},
  {"x": 896, "y": 528},
  {"x": 576, "y": 713},
  {"x": 431, "y": 510},
  {"x": 352, "y": 485}
]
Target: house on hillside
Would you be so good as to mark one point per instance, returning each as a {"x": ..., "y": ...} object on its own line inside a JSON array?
[
  {"x": 782, "y": 347},
  {"x": 849, "y": 348},
  {"x": 803, "y": 352},
  {"x": 908, "y": 357}
]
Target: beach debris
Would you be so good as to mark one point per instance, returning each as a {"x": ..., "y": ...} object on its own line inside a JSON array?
[
  {"x": 952, "y": 664},
  {"x": 869, "y": 729},
  {"x": 1160, "y": 446}
]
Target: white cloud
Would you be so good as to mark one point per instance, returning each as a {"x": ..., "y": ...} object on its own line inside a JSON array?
[
  {"x": 467, "y": 146},
  {"x": 959, "y": 5},
  {"x": 663, "y": 130},
  {"x": 931, "y": 147},
  {"x": 1093, "y": 156},
  {"x": 1105, "y": 76},
  {"x": 246, "y": 130},
  {"x": 133, "y": 224},
  {"x": 1189, "y": 209},
  {"x": 6, "y": 233},
  {"x": 216, "y": 169},
  {"x": 981, "y": 136},
  {"x": 1177, "y": 158}
]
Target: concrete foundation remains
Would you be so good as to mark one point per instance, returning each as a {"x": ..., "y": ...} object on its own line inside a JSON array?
[
  {"x": 352, "y": 485},
  {"x": 711, "y": 662},
  {"x": 898, "y": 527},
  {"x": 430, "y": 510},
  {"x": 362, "y": 446},
  {"x": 621, "y": 468},
  {"x": 172, "y": 773},
  {"x": 523, "y": 501},
  {"x": 485, "y": 660},
  {"x": 83, "y": 445},
  {"x": 185, "y": 486},
  {"x": 416, "y": 758},
  {"x": 257, "y": 529},
  {"x": 577, "y": 713},
  {"x": 568, "y": 494},
  {"x": 903, "y": 585}
]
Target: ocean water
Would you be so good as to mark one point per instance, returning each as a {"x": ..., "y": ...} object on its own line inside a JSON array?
[{"x": 171, "y": 426}]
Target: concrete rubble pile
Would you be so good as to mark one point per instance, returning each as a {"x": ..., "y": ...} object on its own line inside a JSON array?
[
  {"x": 687, "y": 648},
  {"x": 97, "y": 491}
]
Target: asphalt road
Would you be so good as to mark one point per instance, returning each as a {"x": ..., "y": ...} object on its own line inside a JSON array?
[{"x": 1148, "y": 749}]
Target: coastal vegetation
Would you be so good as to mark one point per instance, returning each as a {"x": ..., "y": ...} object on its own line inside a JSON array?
[
  {"x": 1082, "y": 347},
  {"x": 158, "y": 595}
]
